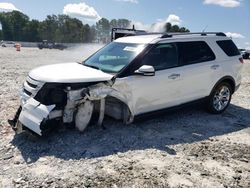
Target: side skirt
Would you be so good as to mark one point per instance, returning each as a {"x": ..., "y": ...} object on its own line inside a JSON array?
[{"x": 147, "y": 115}]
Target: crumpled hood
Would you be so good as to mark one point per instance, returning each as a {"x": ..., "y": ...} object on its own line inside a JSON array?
[{"x": 68, "y": 73}]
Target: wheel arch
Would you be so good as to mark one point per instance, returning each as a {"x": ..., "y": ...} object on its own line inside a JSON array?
[
  {"x": 228, "y": 79},
  {"x": 128, "y": 115}
]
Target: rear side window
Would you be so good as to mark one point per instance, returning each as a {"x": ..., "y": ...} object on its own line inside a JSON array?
[
  {"x": 228, "y": 47},
  {"x": 194, "y": 52}
]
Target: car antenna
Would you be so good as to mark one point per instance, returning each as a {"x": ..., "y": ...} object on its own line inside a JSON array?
[{"x": 204, "y": 29}]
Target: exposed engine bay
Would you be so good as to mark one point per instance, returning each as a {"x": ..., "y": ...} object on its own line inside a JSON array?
[{"x": 69, "y": 104}]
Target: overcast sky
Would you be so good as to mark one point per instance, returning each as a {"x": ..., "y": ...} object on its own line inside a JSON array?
[{"x": 229, "y": 16}]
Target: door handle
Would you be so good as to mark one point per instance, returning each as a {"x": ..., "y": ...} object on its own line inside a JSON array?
[
  {"x": 214, "y": 67},
  {"x": 174, "y": 76}
]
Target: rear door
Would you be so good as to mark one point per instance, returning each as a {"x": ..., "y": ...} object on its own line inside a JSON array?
[{"x": 199, "y": 69}]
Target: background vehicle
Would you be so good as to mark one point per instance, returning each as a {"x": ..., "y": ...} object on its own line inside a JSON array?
[
  {"x": 125, "y": 32},
  {"x": 51, "y": 45},
  {"x": 8, "y": 44},
  {"x": 245, "y": 54}
]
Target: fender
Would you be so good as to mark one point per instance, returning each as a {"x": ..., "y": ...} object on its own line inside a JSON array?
[{"x": 102, "y": 90}]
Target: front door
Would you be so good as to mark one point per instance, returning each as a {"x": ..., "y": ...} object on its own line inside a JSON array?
[{"x": 149, "y": 93}]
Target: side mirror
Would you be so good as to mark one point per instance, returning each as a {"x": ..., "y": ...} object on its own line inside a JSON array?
[{"x": 146, "y": 70}]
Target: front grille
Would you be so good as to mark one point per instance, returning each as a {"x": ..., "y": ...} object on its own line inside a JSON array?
[
  {"x": 31, "y": 85},
  {"x": 27, "y": 92}
]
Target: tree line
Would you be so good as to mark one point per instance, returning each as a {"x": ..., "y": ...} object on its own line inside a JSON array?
[{"x": 17, "y": 26}]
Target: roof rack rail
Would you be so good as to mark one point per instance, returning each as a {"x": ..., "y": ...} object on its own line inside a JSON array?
[
  {"x": 118, "y": 32},
  {"x": 168, "y": 35}
]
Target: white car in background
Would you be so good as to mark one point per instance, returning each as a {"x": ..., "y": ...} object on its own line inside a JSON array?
[
  {"x": 8, "y": 44},
  {"x": 132, "y": 76}
]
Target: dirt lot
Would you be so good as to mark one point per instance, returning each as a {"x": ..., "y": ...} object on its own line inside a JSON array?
[{"x": 185, "y": 148}]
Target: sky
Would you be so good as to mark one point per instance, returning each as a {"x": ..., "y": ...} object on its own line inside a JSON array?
[{"x": 229, "y": 16}]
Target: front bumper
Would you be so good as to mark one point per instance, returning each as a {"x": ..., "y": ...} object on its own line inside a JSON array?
[
  {"x": 23, "y": 97},
  {"x": 33, "y": 114},
  {"x": 30, "y": 89}
]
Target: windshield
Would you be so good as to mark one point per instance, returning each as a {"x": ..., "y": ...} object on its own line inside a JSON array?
[{"x": 114, "y": 57}]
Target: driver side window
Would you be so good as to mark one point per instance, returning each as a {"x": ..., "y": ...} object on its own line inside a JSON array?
[{"x": 162, "y": 56}]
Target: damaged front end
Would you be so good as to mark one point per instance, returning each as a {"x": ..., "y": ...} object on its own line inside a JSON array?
[{"x": 63, "y": 103}]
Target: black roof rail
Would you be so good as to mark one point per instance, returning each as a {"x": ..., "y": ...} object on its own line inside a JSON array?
[
  {"x": 168, "y": 35},
  {"x": 152, "y": 33},
  {"x": 118, "y": 32}
]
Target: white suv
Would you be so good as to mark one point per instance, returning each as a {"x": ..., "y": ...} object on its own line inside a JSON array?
[{"x": 132, "y": 76}]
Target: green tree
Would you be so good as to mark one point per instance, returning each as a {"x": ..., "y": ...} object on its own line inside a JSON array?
[
  {"x": 48, "y": 27},
  {"x": 7, "y": 29},
  {"x": 31, "y": 31},
  {"x": 113, "y": 23},
  {"x": 61, "y": 30},
  {"x": 74, "y": 26},
  {"x": 122, "y": 23},
  {"x": 13, "y": 24},
  {"x": 86, "y": 31},
  {"x": 69, "y": 30},
  {"x": 184, "y": 30},
  {"x": 103, "y": 30},
  {"x": 92, "y": 35},
  {"x": 18, "y": 22},
  {"x": 168, "y": 27},
  {"x": 57, "y": 28},
  {"x": 175, "y": 28}
]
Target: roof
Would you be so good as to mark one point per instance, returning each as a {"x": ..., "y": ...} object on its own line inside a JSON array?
[{"x": 140, "y": 39}]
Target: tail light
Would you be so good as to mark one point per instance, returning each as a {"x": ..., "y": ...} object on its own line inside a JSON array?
[{"x": 241, "y": 60}]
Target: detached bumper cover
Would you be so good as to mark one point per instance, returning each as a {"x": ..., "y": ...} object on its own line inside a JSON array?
[{"x": 33, "y": 113}]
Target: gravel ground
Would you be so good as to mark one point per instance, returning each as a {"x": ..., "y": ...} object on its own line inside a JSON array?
[{"x": 185, "y": 148}]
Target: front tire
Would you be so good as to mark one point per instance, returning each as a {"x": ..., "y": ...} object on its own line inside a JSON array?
[{"x": 220, "y": 98}]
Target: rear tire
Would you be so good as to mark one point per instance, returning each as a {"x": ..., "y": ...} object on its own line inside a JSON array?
[{"x": 220, "y": 98}]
